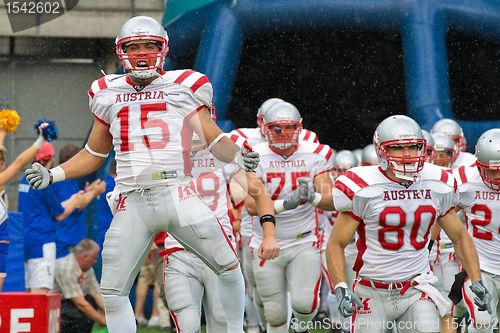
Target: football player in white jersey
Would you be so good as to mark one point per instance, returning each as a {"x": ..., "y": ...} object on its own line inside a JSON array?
[
  {"x": 292, "y": 171},
  {"x": 149, "y": 115},
  {"x": 443, "y": 259},
  {"x": 254, "y": 137},
  {"x": 479, "y": 189},
  {"x": 451, "y": 128},
  {"x": 189, "y": 282},
  {"x": 392, "y": 207}
]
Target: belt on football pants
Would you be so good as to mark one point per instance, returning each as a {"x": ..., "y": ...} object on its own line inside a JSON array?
[{"x": 403, "y": 286}]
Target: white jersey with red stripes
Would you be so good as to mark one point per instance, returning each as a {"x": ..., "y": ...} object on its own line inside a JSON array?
[
  {"x": 280, "y": 177},
  {"x": 150, "y": 124},
  {"x": 463, "y": 159},
  {"x": 395, "y": 220},
  {"x": 325, "y": 222},
  {"x": 211, "y": 185},
  {"x": 254, "y": 138},
  {"x": 482, "y": 211}
]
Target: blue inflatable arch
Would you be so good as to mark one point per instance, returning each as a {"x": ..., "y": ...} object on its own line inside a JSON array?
[{"x": 218, "y": 29}]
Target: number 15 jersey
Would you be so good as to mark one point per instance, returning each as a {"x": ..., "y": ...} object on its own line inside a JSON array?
[
  {"x": 150, "y": 124},
  {"x": 394, "y": 220}
]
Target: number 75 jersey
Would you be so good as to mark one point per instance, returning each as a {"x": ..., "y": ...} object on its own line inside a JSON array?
[
  {"x": 394, "y": 220},
  {"x": 280, "y": 177},
  {"x": 482, "y": 215},
  {"x": 150, "y": 124}
]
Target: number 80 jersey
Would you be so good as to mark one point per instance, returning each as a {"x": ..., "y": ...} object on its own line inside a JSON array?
[
  {"x": 150, "y": 124},
  {"x": 394, "y": 220}
]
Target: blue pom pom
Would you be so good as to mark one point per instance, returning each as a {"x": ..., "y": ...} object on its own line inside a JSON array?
[{"x": 50, "y": 132}]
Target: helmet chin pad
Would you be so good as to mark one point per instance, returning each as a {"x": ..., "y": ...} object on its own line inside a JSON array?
[{"x": 483, "y": 172}]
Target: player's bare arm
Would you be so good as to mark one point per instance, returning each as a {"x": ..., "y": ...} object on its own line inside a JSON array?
[
  {"x": 342, "y": 234},
  {"x": 203, "y": 124},
  {"x": 87, "y": 161},
  {"x": 323, "y": 185},
  {"x": 463, "y": 244},
  {"x": 260, "y": 204}
]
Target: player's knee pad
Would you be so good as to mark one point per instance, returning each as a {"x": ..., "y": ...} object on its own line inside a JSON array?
[
  {"x": 115, "y": 303},
  {"x": 276, "y": 314},
  {"x": 257, "y": 299},
  {"x": 188, "y": 320},
  {"x": 303, "y": 302}
]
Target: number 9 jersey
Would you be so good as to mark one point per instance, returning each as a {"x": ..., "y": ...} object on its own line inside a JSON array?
[
  {"x": 394, "y": 220},
  {"x": 150, "y": 124}
]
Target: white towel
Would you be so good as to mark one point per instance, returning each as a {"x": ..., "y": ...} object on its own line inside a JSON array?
[{"x": 425, "y": 284}]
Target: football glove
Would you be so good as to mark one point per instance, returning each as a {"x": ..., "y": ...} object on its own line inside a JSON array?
[
  {"x": 345, "y": 297},
  {"x": 38, "y": 177},
  {"x": 483, "y": 297}
]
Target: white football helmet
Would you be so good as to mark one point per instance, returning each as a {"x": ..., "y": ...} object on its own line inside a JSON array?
[
  {"x": 369, "y": 155},
  {"x": 488, "y": 157},
  {"x": 430, "y": 147},
  {"x": 142, "y": 29},
  {"x": 262, "y": 110},
  {"x": 451, "y": 128},
  {"x": 359, "y": 153},
  {"x": 445, "y": 150},
  {"x": 396, "y": 132},
  {"x": 343, "y": 161},
  {"x": 282, "y": 126}
]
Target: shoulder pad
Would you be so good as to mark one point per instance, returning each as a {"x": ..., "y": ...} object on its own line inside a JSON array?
[{"x": 197, "y": 82}]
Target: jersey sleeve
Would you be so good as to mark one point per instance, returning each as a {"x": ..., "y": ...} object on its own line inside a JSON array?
[
  {"x": 96, "y": 105},
  {"x": 346, "y": 195},
  {"x": 198, "y": 83},
  {"x": 326, "y": 160},
  {"x": 465, "y": 196},
  {"x": 447, "y": 193}
]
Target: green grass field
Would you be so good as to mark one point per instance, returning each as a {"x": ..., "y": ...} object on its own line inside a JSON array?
[{"x": 156, "y": 330}]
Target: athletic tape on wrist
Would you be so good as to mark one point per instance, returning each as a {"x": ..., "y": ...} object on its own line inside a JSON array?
[
  {"x": 317, "y": 199},
  {"x": 341, "y": 285},
  {"x": 279, "y": 206},
  {"x": 57, "y": 174}
]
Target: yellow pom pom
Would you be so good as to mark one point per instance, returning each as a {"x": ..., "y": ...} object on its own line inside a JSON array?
[{"x": 9, "y": 119}]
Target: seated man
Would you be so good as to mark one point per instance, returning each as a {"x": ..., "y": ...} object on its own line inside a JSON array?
[{"x": 76, "y": 282}]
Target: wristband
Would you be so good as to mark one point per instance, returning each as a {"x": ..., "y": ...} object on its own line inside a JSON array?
[
  {"x": 213, "y": 143},
  {"x": 317, "y": 199},
  {"x": 341, "y": 285},
  {"x": 267, "y": 218},
  {"x": 57, "y": 174},
  {"x": 279, "y": 206},
  {"x": 94, "y": 153}
]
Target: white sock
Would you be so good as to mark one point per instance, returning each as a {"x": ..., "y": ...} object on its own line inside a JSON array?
[
  {"x": 252, "y": 319},
  {"x": 303, "y": 320},
  {"x": 232, "y": 296},
  {"x": 278, "y": 329},
  {"x": 289, "y": 308},
  {"x": 260, "y": 310},
  {"x": 119, "y": 314}
]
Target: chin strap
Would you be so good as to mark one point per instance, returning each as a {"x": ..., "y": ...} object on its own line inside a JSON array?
[{"x": 408, "y": 177}]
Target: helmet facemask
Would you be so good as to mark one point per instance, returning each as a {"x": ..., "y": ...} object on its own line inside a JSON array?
[
  {"x": 144, "y": 65},
  {"x": 430, "y": 153},
  {"x": 403, "y": 167},
  {"x": 490, "y": 173},
  {"x": 283, "y": 136}
]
